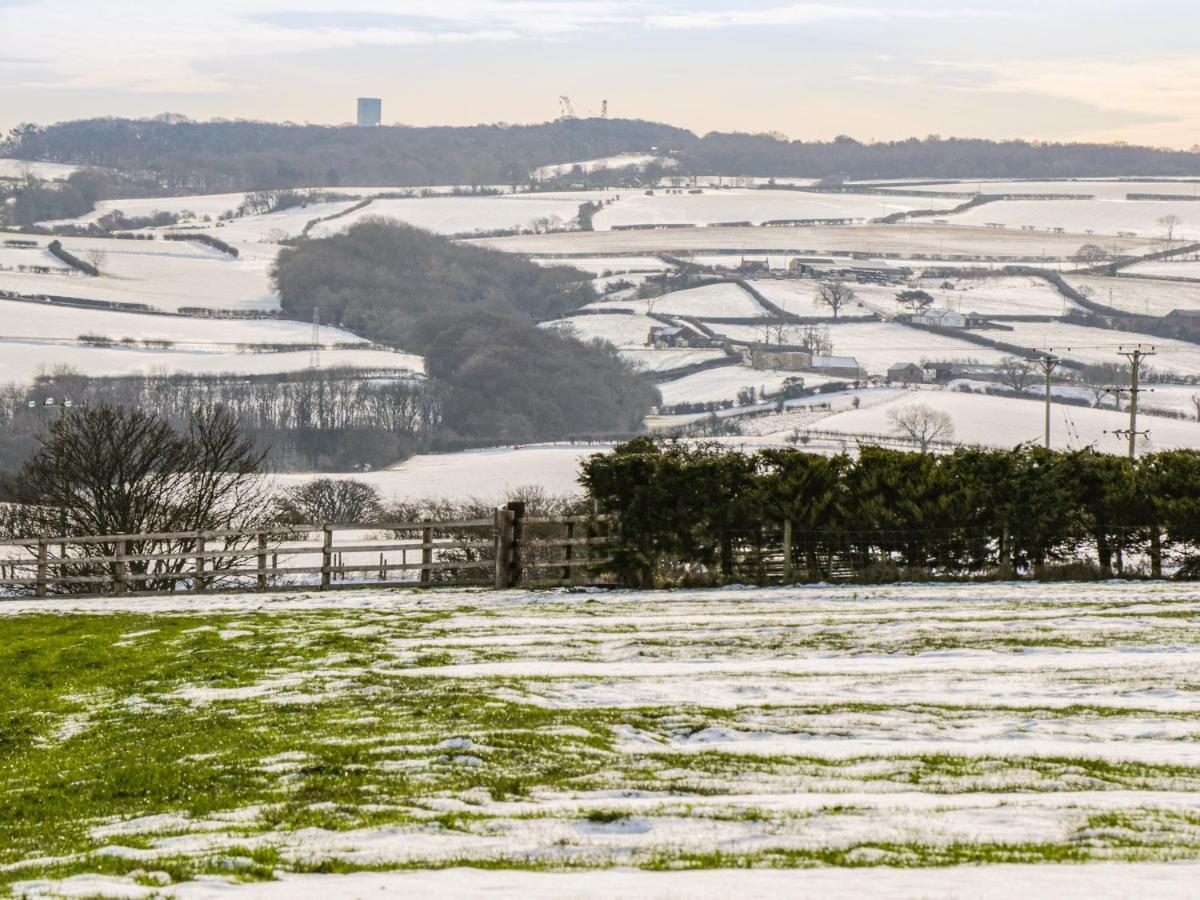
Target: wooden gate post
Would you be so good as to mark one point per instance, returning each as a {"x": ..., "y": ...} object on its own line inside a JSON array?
[
  {"x": 516, "y": 531},
  {"x": 426, "y": 555},
  {"x": 326, "y": 555},
  {"x": 569, "y": 551},
  {"x": 504, "y": 545},
  {"x": 43, "y": 549},
  {"x": 120, "y": 585},
  {"x": 261, "y": 580},
  {"x": 198, "y": 582}
]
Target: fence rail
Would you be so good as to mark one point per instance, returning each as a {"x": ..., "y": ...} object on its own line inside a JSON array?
[{"x": 502, "y": 551}]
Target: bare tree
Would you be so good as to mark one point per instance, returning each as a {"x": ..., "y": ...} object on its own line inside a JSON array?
[
  {"x": 1169, "y": 223},
  {"x": 108, "y": 470},
  {"x": 1100, "y": 379},
  {"x": 97, "y": 258},
  {"x": 1196, "y": 404},
  {"x": 1091, "y": 254},
  {"x": 836, "y": 295},
  {"x": 816, "y": 338},
  {"x": 1017, "y": 373},
  {"x": 330, "y": 500},
  {"x": 922, "y": 424}
]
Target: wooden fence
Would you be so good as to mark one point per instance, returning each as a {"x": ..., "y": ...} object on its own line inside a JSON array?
[{"x": 503, "y": 551}]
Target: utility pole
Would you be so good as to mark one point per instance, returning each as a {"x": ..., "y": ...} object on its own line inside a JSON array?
[
  {"x": 1135, "y": 357},
  {"x": 1048, "y": 364}
]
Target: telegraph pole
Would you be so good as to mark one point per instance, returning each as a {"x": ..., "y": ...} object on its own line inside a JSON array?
[
  {"x": 1048, "y": 364},
  {"x": 1135, "y": 357}
]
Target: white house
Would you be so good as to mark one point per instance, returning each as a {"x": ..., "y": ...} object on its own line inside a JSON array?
[{"x": 944, "y": 318}]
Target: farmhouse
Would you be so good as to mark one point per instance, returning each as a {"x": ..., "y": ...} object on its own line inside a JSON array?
[
  {"x": 940, "y": 318},
  {"x": 667, "y": 336},
  {"x": 906, "y": 373}
]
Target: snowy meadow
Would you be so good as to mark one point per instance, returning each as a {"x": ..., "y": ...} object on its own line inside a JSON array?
[{"x": 894, "y": 736}]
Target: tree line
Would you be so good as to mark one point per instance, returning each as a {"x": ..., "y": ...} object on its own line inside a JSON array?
[
  {"x": 315, "y": 419},
  {"x": 700, "y": 512},
  {"x": 182, "y": 156}
]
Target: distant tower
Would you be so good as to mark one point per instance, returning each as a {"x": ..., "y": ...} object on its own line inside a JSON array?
[{"x": 370, "y": 112}]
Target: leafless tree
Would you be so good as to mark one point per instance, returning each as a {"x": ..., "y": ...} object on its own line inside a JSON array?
[
  {"x": 816, "y": 338},
  {"x": 836, "y": 295},
  {"x": 1169, "y": 224},
  {"x": 1017, "y": 373},
  {"x": 1196, "y": 405},
  {"x": 107, "y": 470},
  {"x": 1091, "y": 254},
  {"x": 922, "y": 424},
  {"x": 330, "y": 500},
  {"x": 97, "y": 258}
]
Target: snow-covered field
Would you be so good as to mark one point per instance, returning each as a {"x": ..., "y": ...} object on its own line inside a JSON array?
[
  {"x": 19, "y": 168},
  {"x": 1100, "y": 345},
  {"x": 725, "y": 383},
  {"x": 713, "y": 300},
  {"x": 999, "y": 297},
  {"x": 164, "y": 275},
  {"x": 1143, "y": 296},
  {"x": 978, "y": 419},
  {"x": 53, "y": 321},
  {"x": 754, "y": 206},
  {"x": 910, "y": 741},
  {"x": 491, "y": 475},
  {"x": 652, "y": 359},
  {"x": 878, "y": 345},
  {"x": 620, "y": 330},
  {"x": 23, "y": 360},
  {"x": 1101, "y": 189},
  {"x": 1104, "y": 217},
  {"x": 461, "y": 215},
  {"x": 1168, "y": 268},
  {"x": 611, "y": 264},
  {"x": 621, "y": 161},
  {"x": 933, "y": 241}
]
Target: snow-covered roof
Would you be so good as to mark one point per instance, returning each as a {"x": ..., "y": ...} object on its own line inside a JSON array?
[{"x": 834, "y": 362}]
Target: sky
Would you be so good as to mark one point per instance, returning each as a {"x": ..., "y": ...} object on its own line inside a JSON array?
[{"x": 1100, "y": 70}]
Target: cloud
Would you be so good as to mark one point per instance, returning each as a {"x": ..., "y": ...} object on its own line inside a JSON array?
[{"x": 807, "y": 14}]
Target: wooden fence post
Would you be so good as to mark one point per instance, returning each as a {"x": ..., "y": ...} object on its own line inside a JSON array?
[
  {"x": 261, "y": 580},
  {"x": 198, "y": 582},
  {"x": 568, "y": 551},
  {"x": 504, "y": 520},
  {"x": 516, "y": 532},
  {"x": 43, "y": 549},
  {"x": 120, "y": 585},
  {"x": 326, "y": 555},
  {"x": 426, "y": 555},
  {"x": 787, "y": 551}
]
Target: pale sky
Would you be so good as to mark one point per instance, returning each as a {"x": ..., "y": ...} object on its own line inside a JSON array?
[{"x": 1048, "y": 69}]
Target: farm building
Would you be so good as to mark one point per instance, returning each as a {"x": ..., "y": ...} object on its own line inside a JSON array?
[
  {"x": 667, "y": 336},
  {"x": 941, "y": 318},
  {"x": 906, "y": 373},
  {"x": 841, "y": 366},
  {"x": 786, "y": 360}
]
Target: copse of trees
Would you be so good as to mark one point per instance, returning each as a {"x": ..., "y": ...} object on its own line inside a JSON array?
[
  {"x": 885, "y": 514},
  {"x": 473, "y": 314}
]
